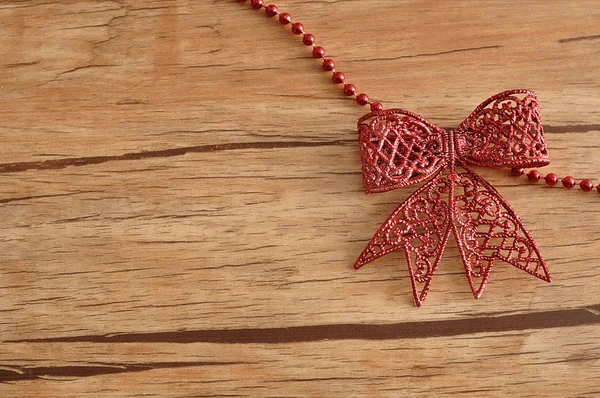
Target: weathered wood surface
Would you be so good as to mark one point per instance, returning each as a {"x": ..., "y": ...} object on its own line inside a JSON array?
[{"x": 181, "y": 201}]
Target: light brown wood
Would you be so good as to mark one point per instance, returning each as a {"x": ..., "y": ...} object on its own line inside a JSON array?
[{"x": 181, "y": 201}]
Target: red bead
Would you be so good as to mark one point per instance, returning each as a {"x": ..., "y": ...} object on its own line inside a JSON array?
[
  {"x": 298, "y": 28},
  {"x": 285, "y": 18},
  {"x": 568, "y": 182},
  {"x": 533, "y": 176},
  {"x": 308, "y": 39},
  {"x": 328, "y": 65},
  {"x": 256, "y": 4},
  {"x": 349, "y": 89},
  {"x": 338, "y": 77},
  {"x": 362, "y": 99},
  {"x": 517, "y": 172},
  {"x": 318, "y": 52},
  {"x": 598, "y": 188},
  {"x": 551, "y": 179},
  {"x": 586, "y": 185},
  {"x": 272, "y": 10},
  {"x": 376, "y": 106}
]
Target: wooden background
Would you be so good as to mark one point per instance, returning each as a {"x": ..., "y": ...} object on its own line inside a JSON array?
[{"x": 181, "y": 201}]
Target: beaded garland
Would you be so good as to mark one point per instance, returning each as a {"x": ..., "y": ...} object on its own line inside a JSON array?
[{"x": 399, "y": 148}]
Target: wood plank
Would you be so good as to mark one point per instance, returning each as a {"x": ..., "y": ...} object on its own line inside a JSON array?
[
  {"x": 492, "y": 364},
  {"x": 194, "y": 240},
  {"x": 119, "y": 78}
]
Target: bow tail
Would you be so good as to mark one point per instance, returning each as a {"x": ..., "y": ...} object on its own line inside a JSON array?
[
  {"x": 420, "y": 226},
  {"x": 488, "y": 230}
]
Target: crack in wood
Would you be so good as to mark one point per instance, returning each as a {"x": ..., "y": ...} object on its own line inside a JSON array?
[
  {"x": 33, "y": 197},
  {"x": 571, "y": 128},
  {"x": 54, "y": 164},
  {"x": 312, "y": 333},
  {"x": 457, "y": 50},
  {"x": 19, "y": 373},
  {"x": 579, "y": 38}
]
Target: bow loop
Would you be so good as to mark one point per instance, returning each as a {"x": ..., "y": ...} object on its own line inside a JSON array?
[
  {"x": 504, "y": 131},
  {"x": 399, "y": 148}
]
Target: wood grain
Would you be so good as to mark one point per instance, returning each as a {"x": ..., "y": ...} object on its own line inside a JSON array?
[{"x": 181, "y": 201}]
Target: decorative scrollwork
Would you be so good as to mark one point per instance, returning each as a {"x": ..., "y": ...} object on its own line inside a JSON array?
[
  {"x": 400, "y": 148},
  {"x": 505, "y": 130},
  {"x": 488, "y": 230},
  {"x": 421, "y": 227}
]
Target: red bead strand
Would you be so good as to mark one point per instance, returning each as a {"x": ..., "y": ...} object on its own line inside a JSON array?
[
  {"x": 328, "y": 65},
  {"x": 568, "y": 182},
  {"x": 586, "y": 185},
  {"x": 297, "y": 28},
  {"x": 338, "y": 77},
  {"x": 533, "y": 176},
  {"x": 308, "y": 39},
  {"x": 349, "y": 89},
  {"x": 362, "y": 99},
  {"x": 317, "y": 52},
  {"x": 517, "y": 172},
  {"x": 285, "y": 18},
  {"x": 271, "y": 10},
  {"x": 552, "y": 179},
  {"x": 376, "y": 107}
]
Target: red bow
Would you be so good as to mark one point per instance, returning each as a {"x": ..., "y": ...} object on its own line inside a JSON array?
[{"x": 399, "y": 148}]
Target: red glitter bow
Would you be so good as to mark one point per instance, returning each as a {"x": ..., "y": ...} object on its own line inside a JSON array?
[{"x": 399, "y": 148}]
